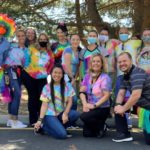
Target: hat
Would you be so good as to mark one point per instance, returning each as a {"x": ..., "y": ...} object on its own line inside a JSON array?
[{"x": 7, "y": 25}]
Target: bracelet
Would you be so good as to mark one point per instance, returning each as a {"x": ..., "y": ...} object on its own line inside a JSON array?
[
  {"x": 116, "y": 104},
  {"x": 95, "y": 105},
  {"x": 40, "y": 119}
]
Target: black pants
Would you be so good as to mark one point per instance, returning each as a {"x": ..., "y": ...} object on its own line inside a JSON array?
[
  {"x": 34, "y": 88},
  {"x": 94, "y": 121},
  {"x": 122, "y": 127}
]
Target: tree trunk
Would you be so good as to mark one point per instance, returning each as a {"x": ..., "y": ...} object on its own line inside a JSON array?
[
  {"x": 79, "y": 21},
  {"x": 146, "y": 16},
  {"x": 138, "y": 15}
]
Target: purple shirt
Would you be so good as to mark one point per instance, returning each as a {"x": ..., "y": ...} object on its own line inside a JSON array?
[{"x": 95, "y": 91}]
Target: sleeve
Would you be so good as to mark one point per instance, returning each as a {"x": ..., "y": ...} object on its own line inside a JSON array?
[
  {"x": 70, "y": 90},
  {"x": 81, "y": 54},
  {"x": 138, "y": 80},
  {"x": 85, "y": 80},
  {"x": 45, "y": 95},
  {"x": 67, "y": 50},
  {"x": 52, "y": 61},
  {"x": 27, "y": 58},
  {"x": 106, "y": 84}
]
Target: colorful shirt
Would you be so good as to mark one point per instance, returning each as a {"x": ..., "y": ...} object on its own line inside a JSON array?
[
  {"x": 74, "y": 60},
  {"x": 85, "y": 56},
  {"x": 95, "y": 91},
  {"x": 131, "y": 46},
  {"x": 4, "y": 48},
  {"x": 41, "y": 62},
  {"x": 17, "y": 56},
  {"x": 143, "y": 60},
  {"x": 109, "y": 47},
  {"x": 58, "y": 49},
  {"x": 46, "y": 97}
]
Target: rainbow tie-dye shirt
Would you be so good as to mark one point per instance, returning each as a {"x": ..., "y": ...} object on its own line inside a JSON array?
[
  {"x": 58, "y": 49},
  {"x": 41, "y": 62},
  {"x": 132, "y": 47},
  {"x": 143, "y": 60},
  {"x": 74, "y": 60},
  {"x": 95, "y": 91},
  {"x": 46, "y": 97}
]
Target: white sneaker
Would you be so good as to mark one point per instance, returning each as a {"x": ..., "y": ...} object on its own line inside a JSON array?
[
  {"x": 16, "y": 124},
  {"x": 9, "y": 122}
]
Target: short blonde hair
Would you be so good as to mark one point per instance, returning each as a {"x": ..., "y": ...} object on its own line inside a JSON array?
[{"x": 103, "y": 69}]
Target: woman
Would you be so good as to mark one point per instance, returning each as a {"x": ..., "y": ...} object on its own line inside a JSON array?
[
  {"x": 31, "y": 36},
  {"x": 56, "y": 100},
  {"x": 70, "y": 62},
  {"x": 91, "y": 49},
  {"x": 13, "y": 64},
  {"x": 143, "y": 60},
  {"x": 94, "y": 94},
  {"x": 34, "y": 76},
  {"x": 62, "y": 43}
]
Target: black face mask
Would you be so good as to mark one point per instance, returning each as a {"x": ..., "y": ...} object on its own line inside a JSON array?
[{"x": 43, "y": 44}]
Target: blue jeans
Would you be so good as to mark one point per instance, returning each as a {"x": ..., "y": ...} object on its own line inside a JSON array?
[
  {"x": 15, "y": 91},
  {"x": 53, "y": 125}
]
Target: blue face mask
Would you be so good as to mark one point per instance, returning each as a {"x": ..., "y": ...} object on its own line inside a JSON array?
[
  {"x": 92, "y": 40},
  {"x": 146, "y": 38},
  {"x": 123, "y": 37},
  {"x": 103, "y": 38}
]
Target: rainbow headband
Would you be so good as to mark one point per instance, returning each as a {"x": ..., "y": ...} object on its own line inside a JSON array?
[{"x": 7, "y": 25}]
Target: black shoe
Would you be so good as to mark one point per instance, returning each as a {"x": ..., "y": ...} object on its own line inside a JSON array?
[
  {"x": 121, "y": 137},
  {"x": 39, "y": 131},
  {"x": 102, "y": 133}
]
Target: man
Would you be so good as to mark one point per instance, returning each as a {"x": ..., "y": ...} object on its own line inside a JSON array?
[{"x": 137, "y": 81}]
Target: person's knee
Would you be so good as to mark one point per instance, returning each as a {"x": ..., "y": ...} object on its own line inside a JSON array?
[{"x": 61, "y": 134}]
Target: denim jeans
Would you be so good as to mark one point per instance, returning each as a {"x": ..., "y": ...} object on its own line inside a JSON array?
[
  {"x": 53, "y": 125},
  {"x": 15, "y": 90}
]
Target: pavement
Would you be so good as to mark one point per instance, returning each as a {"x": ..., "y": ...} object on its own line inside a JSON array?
[{"x": 25, "y": 139}]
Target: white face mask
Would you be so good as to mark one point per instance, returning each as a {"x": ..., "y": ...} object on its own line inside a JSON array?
[{"x": 103, "y": 38}]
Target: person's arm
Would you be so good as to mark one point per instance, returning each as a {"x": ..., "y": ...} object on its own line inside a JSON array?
[
  {"x": 120, "y": 96},
  {"x": 42, "y": 114},
  {"x": 134, "y": 97},
  {"x": 67, "y": 59},
  {"x": 106, "y": 95}
]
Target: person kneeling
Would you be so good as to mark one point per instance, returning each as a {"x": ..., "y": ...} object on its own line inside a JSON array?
[
  {"x": 94, "y": 94},
  {"x": 55, "y": 113}
]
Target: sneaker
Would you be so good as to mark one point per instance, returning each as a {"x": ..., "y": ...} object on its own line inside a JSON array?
[
  {"x": 69, "y": 135},
  {"x": 9, "y": 122},
  {"x": 121, "y": 137},
  {"x": 102, "y": 133},
  {"x": 16, "y": 124}
]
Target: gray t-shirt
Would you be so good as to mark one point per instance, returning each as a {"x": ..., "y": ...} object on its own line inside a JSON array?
[{"x": 138, "y": 79}]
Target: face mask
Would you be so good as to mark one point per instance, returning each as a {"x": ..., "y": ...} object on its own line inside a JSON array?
[
  {"x": 123, "y": 37},
  {"x": 43, "y": 44},
  {"x": 146, "y": 38},
  {"x": 92, "y": 40},
  {"x": 103, "y": 38}
]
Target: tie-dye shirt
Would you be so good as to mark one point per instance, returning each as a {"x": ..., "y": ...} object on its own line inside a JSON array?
[
  {"x": 41, "y": 62},
  {"x": 85, "y": 56},
  {"x": 111, "y": 60},
  {"x": 46, "y": 97},
  {"x": 143, "y": 60},
  {"x": 95, "y": 91},
  {"x": 58, "y": 49},
  {"x": 132, "y": 47},
  {"x": 17, "y": 56},
  {"x": 4, "y": 49},
  {"x": 74, "y": 60}
]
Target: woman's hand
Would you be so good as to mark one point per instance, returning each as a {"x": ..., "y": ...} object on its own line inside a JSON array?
[
  {"x": 65, "y": 118},
  {"x": 90, "y": 106},
  {"x": 85, "y": 108},
  {"x": 37, "y": 125}
]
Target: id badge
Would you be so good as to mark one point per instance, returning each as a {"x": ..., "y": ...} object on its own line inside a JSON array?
[{"x": 14, "y": 75}]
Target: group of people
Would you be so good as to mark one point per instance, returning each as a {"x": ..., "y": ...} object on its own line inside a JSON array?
[{"x": 92, "y": 74}]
